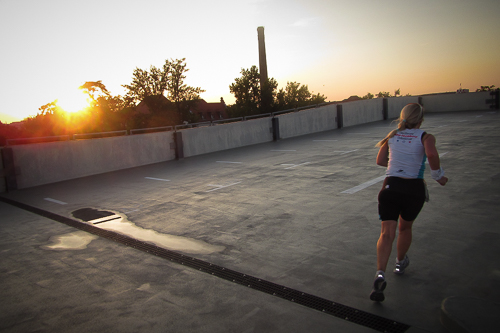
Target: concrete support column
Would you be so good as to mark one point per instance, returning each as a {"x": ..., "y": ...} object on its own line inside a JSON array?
[
  {"x": 179, "y": 147},
  {"x": 9, "y": 169},
  {"x": 385, "y": 108},
  {"x": 340, "y": 117},
  {"x": 495, "y": 101},
  {"x": 276, "y": 128}
]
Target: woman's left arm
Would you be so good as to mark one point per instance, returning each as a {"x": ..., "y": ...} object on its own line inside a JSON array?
[{"x": 429, "y": 142}]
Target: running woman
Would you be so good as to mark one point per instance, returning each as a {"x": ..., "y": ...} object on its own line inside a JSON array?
[{"x": 404, "y": 152}]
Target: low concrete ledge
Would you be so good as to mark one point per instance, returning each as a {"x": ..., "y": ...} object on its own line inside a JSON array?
[
  {"x": 307, "y": 121},
  {"x": 57, "y": 161},
  {"x": 204, "y": 140},
  {"x": 362, "y": 112},
  {"x": 457, "y": 102}
]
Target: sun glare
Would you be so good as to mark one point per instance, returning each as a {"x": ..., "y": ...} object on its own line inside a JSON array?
[{"x": 74, "y": 101}]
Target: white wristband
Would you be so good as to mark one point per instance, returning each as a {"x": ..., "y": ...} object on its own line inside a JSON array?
[{"x": 437, "y": 174}]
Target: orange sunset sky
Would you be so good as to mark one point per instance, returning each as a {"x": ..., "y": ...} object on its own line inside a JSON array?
[{"x": 338, "y": 48}]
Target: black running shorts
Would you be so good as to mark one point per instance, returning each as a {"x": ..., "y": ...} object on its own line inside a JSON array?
[{"x": 401, "y": 197}]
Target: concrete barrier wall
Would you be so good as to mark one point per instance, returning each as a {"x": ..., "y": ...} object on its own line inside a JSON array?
[
  {"x": 456, "y": 102},
  {"x": 3, "y": 187},
  {"x": 44, "y": 163},
  {"x": 51, "y": 162},
  {"x": 308, "y": 121},
  {"x": 395, "y": 104},
  {"x": 204, "y": 140},
  {"x": 361, "y": 112}
]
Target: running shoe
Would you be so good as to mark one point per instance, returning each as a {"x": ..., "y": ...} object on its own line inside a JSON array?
[
  {"x": 377, "y": 294},
  {"x": 401, "y": 265}
]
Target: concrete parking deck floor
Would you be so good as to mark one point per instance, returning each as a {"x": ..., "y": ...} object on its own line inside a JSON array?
[{"x": 300, "y": 213}]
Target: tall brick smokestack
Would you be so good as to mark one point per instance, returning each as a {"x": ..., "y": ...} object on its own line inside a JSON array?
[
  {"x": 265, "y": 93},
  {"x": 262, "y": 56}
]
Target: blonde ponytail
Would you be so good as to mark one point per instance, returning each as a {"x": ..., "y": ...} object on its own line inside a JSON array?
[
  {"x": 410, "y": 117},
  {"x": 384, "y": 140}
]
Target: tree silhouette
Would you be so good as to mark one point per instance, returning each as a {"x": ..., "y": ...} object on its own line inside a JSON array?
[
  {"x": 295, "y": 95},
  {"x": 158, "y": 81},
  {"x": 368, "y": 96},
  {"x": 486, "y": 88},
  {"x": 251, "y": 95},
  {"x": 92, "y": 88},
  {"x": 178, "y": 91},
  {"x": 383, "y": 94},
  {"x": 251, "y": 99}
]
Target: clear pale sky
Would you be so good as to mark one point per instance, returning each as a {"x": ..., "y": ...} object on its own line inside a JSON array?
[{"x": 338, "y": 48}]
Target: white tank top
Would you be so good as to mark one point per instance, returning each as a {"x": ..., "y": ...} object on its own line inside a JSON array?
[{"x": 407, "y": 154}]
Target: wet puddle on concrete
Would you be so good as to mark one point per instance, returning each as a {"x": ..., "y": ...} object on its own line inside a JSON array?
[
  {"x": 118, "y": 222},
  {"x": 77, "y": 240}
]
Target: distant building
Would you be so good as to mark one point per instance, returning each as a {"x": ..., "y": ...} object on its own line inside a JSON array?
[
  {"x": 151, "y": 103},
  {"x": 17, "y": 124},
  {"x": 352, "y": 99},
  {"x": 155, "y": 111},
  {"x": 205, "y": 111},
  {"x": 209, "y": 111},
  {"x": 461, "y": 91}
]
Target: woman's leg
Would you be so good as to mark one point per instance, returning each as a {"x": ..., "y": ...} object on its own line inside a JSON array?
[
  {"x": 404, "y": 238},
  {"x": 384, "y": 244}
]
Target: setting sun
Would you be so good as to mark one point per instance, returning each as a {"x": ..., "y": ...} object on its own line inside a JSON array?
[{"x": 74, "y": 101}]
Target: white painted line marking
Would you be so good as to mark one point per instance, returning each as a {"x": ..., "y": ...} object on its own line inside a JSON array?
[
  {"x": 250, "y": 314},
  {"x": 479, "y": 116},
  {"x": 105, "y": 219},
  {"x": 229, "y": 162},
  {"x": 364, "y": 185},
  {"x": 283, "y": 150},
  {"x": 55, "y": 201},
  {"x": 296, "y": 165},
  {"x": 344, "y": 151},
  {"x": 163, "y": 180},
  {"x": 218, "y": 187}
]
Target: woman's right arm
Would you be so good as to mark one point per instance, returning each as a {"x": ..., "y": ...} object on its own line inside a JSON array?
[{"x": 383, "y": 155}]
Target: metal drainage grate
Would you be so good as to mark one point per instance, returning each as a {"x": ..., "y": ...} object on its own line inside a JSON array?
[
  {"x": 355, "y": 316},
  {"x": 95, "y": 216}
]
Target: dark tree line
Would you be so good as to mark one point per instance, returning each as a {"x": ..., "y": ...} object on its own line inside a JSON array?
[
  {"x": 157, "y": 97},
  {"x": 165, "y": 98},
  {"x": 251, "y": 98}
]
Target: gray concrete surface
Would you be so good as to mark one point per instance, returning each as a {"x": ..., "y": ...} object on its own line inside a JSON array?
[{"x": 291, "y": 212}]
